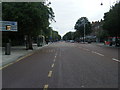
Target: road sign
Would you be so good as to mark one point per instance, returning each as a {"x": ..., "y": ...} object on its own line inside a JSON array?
[{"x": 8, "y": 26}]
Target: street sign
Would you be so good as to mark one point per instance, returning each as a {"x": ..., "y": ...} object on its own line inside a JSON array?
[{"x": 8, "y": 26}]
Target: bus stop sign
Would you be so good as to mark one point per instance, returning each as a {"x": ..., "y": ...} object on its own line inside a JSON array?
[{"x": 8, "y": 26}]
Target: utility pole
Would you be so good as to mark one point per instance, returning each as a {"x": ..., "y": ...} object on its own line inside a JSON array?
[{"x": 84, "y": 30}]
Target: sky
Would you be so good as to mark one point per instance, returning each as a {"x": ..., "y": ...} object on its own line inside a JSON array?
[{"x": 67, "y": 12}]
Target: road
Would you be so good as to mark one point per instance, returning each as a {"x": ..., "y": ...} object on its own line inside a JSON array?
[{"x": 65, "y": 65}]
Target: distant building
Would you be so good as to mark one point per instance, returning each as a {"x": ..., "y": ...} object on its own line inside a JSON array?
[{"x": 97, "y": 30}]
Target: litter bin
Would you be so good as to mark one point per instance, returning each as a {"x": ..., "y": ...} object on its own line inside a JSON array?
[{"x": 7, "y": 49}]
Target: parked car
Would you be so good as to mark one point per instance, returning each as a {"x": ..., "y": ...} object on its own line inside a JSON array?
[{"x": 72, "y": 41}]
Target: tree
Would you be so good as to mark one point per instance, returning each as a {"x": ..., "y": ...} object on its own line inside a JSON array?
[
  {"x": 33, "y": 19},
  {"x": 112, "y": 20},
  {"x": 69, "y": 36},
  {"x": 79, "y": 26}
]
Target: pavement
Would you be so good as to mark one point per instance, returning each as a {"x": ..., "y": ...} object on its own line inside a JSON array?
[{"x": 17, "y": 52}]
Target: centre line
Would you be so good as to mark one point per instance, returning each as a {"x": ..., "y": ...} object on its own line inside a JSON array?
[
  {"x": 53, "y": 65},
  {"x": 54, "y": 60},
  {"x": 50, "y": 74},
  {"x": 55, "y": 56},
  {"x": 45, "y": 87}
]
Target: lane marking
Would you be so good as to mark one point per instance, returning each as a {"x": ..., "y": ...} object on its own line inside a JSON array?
[
  {"x": 54, "y": 60},
  {"x": 55, "y": 56},
  {"x": 92, "y": 51},
  {"x": 115, "y": 60},
  {"x": 46, "y": 87},
  {"x": 16, "y": 61},
  {"x": 82, "y": 86},
  {"x": 50, "y": 74},
  {"x": 86, "y": 49},
  {"x": 98, "y": 53},
  {"x": 6, "y": 65},
  {"x": 53, "y": 65}
]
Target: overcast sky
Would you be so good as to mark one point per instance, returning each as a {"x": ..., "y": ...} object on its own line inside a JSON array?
[{"x": 67, "y": 12}]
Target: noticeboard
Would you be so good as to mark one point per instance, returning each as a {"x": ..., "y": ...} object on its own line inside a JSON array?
[{"x": 8, "y": 26}]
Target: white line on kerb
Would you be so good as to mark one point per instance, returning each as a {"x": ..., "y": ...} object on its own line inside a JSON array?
[{"x": 115, "y": 60}]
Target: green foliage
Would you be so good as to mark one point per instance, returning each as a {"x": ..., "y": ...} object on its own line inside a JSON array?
[
  {"x": 112, "y": 20},
  {"x": 33, "y": 18},
  {"x": 79, "y": 26},
  {"x": 69, "y": 36},
  {"x": 55, "y": 36}
]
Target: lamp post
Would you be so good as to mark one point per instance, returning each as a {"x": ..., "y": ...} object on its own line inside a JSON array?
[{"x": 84, "y": 30}]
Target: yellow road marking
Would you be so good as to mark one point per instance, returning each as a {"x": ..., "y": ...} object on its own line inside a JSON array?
[
  {"x": 6, "y": 66},
  {"x": 45, "y": 87},
  {"x": 50, "y": 74},
  {"x": 16, "y": 61},
  {"x": 52, "y": 65}
]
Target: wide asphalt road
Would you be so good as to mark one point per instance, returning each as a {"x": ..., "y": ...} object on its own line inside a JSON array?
[{"x": 65, "y": 65}]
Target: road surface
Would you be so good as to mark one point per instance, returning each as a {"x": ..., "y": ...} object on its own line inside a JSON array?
[{"x": 65, "y": 65}]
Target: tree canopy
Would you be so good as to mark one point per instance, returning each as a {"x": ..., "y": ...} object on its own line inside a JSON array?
[
  {"x": 33, "y": 18},
  {"x": 69, "y": 36},
  {"x": 112, "y": 20},
  {"x": 79, "y": 26}
]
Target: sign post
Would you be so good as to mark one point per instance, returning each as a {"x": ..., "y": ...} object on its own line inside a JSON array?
[{"x": 8, "y": 26}]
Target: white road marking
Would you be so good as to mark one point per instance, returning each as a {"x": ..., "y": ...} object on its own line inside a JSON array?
[
  {"x": 86, "y": 49},
  {"x": 55, "y": 56},
  {"x": 54, "y": 60},
  {"x": 53, "y": 65},
  {"x": 97, "y": 53},
  {"x": 82, "y": 86},
  {"x": 50, "y": 74},
  {"x": 115, "y": 60},
  {"x": 45, "y": 87}
]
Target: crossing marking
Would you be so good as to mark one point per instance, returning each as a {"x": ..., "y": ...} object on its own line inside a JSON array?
[{"x": 50, "y": 74}]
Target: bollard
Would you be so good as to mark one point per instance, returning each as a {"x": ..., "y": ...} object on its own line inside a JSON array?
[{"x": 7, "y": 49}]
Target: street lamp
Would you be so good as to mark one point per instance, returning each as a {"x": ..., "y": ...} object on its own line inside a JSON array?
[{"x": 84, "y": 29}]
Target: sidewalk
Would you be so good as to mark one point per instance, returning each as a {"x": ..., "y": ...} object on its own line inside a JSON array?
[
  {"x": 16, "y": 53},
  {"x": 102, "y": 44}
]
